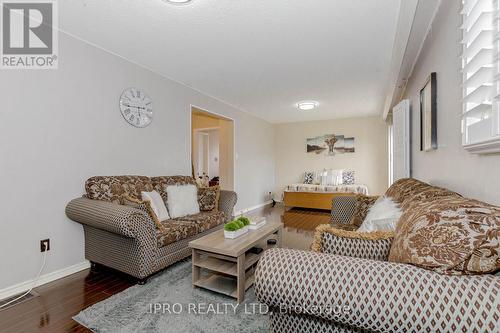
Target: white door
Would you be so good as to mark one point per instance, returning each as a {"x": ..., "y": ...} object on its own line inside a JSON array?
[{"x": 401, "y": 167}]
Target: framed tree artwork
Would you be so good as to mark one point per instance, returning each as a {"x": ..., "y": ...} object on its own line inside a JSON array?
[{"x": 428, "y": 114}]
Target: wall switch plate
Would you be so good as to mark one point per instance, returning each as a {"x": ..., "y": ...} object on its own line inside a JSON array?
[{"x": 45, "y": 245}]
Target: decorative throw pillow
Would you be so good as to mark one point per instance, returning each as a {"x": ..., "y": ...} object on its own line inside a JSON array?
[
  {"x": 145, "y": 206},
  {"x": 382, "y": 215},
  {"x": 348, "y": 177},
  {"x": 208, "y": 198},
  {"x": 157, "y": 204},
  {"x": 316, "y": 177},
  {"x": 182, "y": 200},
  {"x": 450, "y": 235},
  {"x": 308, "y": 177},
  {"x": 363, "y": 204},
  {"x": 373, "y": 236},
  {"x": 331, "y": 177}
]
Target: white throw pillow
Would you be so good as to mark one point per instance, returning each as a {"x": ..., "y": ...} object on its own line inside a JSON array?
[
  {"x": 331, "y": 177},
  {"x": 157, "y": 204},
  {"x": 182, "y": 200},
  {"x": 382, "y": 216}
]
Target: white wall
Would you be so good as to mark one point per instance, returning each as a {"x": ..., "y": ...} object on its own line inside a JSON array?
[
  {"x": 370, "y": 160},
  {"x": 57, "y": 128},
  {"x": 450, "y": 165}
]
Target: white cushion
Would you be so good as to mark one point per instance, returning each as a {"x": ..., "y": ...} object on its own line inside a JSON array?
[
  {"x": 157, "y": 204},
  {"x": 182, "y": 200},
  {"x": 386, "y": 224},
  {"x": 332, "y": 177},
  {"x": 382, "y": 216}
]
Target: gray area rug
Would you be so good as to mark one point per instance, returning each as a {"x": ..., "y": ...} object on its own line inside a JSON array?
[{"x": 169, "y": 303}]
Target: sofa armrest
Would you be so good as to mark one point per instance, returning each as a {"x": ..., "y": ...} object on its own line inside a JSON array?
[
  {"x": 349, "y": 211},
  {"x": 367, "y": 245},
  {"x": 376, "y": 295},
  {"x": 227, "y": 201},
  {"x": 119, "y": 219},
  {"x": 343, "y": 209}
]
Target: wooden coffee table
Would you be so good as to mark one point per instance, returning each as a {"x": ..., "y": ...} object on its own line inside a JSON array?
[{"x": 228, "y": 267}]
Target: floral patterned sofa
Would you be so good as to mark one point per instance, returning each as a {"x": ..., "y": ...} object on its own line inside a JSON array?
[
  {"x": 435, "y": 273},
  {"x": 126, "y": 238}
]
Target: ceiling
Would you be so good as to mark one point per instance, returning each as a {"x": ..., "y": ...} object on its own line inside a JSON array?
[{"x": 261, "y": 56}]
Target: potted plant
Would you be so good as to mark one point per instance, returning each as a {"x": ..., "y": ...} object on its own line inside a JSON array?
[
  {"x": 234, "y": 229},
  {"x": 245, "y": 221}
]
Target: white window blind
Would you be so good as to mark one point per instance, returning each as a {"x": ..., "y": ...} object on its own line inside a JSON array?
[{"x": 480, "y": 70}]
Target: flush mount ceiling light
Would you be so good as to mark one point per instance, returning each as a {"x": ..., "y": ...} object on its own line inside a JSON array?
[
  {"x": 307, "y": 105},
  {"x": 178, "y": 2}
]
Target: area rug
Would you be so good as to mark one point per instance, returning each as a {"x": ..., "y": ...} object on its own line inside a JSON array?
[{"x": 169, "y": 303}]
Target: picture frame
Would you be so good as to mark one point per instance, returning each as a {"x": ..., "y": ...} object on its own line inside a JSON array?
[{"x": 428, "y": 114}]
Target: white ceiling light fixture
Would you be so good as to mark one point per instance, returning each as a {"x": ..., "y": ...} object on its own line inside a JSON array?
[
  {"x": 307, "y": 105},
  {"x": 178, "y": 2}
]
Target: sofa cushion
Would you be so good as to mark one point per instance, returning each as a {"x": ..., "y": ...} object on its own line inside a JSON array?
[
  {"x": 145, "y": 206},
  {"x": 208, "y": 198},
  {"x": 173, "y": 231},
  {"x": 184, "y": 227},
  {"x": 206, "y": 220},
  {"x": 160, "y": 183},
  {"x": 112, "y": 188},
  {"x": 383, "y": 215},
  {"x": 363, "y": 205},
  {"x": 157, "y": 204},
  {"x": 444, "y": 232},
  {"x": 182, "y": 200}
]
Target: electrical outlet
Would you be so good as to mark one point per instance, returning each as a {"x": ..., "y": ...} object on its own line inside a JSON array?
[{"x": 45, "y": 245}]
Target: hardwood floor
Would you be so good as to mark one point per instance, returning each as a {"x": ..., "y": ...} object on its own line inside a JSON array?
[{"x": 60, "y": 300}]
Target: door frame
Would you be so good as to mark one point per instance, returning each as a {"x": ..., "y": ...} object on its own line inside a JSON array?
[{"x": 218, "y": 115}]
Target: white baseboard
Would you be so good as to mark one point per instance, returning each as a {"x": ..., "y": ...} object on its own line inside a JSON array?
[
  {"x": 246, "y": 210},
  {"x": 46, "y": 278}
]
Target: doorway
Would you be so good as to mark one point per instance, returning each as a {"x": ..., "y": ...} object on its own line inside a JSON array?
[{"x": 212, "y": 149}]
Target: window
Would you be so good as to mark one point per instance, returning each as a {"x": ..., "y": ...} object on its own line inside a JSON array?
[{"x": 481, "y": 75}]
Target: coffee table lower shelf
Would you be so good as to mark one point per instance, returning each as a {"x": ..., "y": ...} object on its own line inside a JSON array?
[
  {"x": 227, "y": 266},
  {"x": 223, "y": 284}
]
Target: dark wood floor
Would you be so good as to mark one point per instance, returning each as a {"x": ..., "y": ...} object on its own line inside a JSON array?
[{"x": 60, "y": 300}]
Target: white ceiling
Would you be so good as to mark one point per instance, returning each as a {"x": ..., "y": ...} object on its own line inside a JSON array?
[{"x": 261, "y": 56}]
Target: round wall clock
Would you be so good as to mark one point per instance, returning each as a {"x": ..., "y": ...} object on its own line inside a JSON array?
[{"x": 136, "y": 107}]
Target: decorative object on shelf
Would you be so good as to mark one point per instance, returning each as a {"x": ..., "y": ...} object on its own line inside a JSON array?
[
  {"x": 480, "y": 76},
  {"x": 203, "y": 180},
  {"x": 330, "y": 144},
  {"x": 428, "y": 114},
  {"x": 214, "y": 181},
  {"x": 136, "y": 107},
  {"x": 236, "y": 228},
  {"x": 271, "y": 198},
  {"x": 256, "y": 223}
]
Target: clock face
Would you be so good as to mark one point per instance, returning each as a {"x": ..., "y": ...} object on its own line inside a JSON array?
[{"x": 136, "y": 107}]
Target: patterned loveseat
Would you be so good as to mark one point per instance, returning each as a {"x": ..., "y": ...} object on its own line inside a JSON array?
[
  {"x": 126, "y": 238},
  {"x": 409, "y": 281}
]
